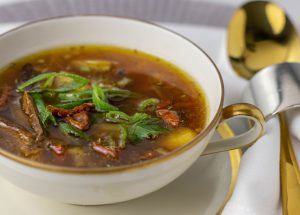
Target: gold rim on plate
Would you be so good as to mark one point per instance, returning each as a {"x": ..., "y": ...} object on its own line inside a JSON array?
[{"x": 235, "y": 157}]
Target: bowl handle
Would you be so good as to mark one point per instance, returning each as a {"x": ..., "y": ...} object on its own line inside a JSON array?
[{"x": 256, "y": 130}]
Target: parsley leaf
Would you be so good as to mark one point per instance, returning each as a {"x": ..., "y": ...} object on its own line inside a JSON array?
[
  {"x": 70, "y": 130},
  {"x": 140, "y": 131},
  {"x": 139, "y": 126},
  {"x": 143, "y": 126}
]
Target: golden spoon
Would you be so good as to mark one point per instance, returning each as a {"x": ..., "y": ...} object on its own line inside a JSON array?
[{"x": 259, "y": 35}]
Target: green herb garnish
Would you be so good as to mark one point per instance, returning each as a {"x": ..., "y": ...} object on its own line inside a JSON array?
[
  {"x": 133, "y": 128},
  {"x": 143, "y": 126},
  {"x": 98, "y": 98},
  {"x": 74, "y": 96},
  {"x": 139, "y": 126},
  {"x": 70, "y": 105},
  {"x": 143, "y": 117},
  {"x": 78, "y": 82},
  {"x": 117, "y": 117},
  {"x": 48, "y": 83},
  {"x": 141, "y": 130},
  {"x": 109, "y": 92},
  {"x": 148, "y": 104},
  {"x": 44, "y": 115},
  {"x": 71, "y": 130},
  {"x": 113, "y": 92}
]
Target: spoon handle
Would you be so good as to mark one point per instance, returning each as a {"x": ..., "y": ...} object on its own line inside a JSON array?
[
  {"x": 274, "y": 90},
  {"x": 290, "y": 187}
]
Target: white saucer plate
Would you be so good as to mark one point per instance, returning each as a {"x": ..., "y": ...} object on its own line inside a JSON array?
[{"x": 192, "y": 193}]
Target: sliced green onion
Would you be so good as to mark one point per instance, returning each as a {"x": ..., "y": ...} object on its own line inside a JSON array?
[
  {"x": 48, "y": 83},
  {"x": 70, "y": 105},
  {"x": 148, "y": 104},
  {"x": 116, "y": 117},
  {"x": 76, "y": 95},
  {"x": 98, "y": 99},
  {"x": 109, "y": 93},
  {"x": 78, "y": 82},
  {"x": 114, "y": 92},
  {"x": 44, "y": 114}
]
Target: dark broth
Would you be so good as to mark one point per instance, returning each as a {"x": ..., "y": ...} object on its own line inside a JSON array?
[{"x": 150, "y": 77}]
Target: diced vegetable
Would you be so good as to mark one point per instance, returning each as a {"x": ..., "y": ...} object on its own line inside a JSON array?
[
  {"x": 170, "y": 117},
  {"x": 58, "y": 149},
  {"x": 84, "y": 68},
  {"x": 70, "y": 130},
  {"x": 92, "y": 65},
  {"x": 108, "y": 153},
  {"x": 123, "y": 137},
  {"x": 110, "y": 135},
  {"x": 61, "y": 112},
  {"x": 78, "y": 82},
  {"x": 124, "y": 82},
  {"x": 60, "y": 81},
  {"x": 79, "y": 120},
  {"x": 44, "y": 114},
  {"x": 148, "y": 104},
  {"x": 109, "y": 142},
  {"x": 177, "y": 138},
  {"x": 98, "y": 98}
]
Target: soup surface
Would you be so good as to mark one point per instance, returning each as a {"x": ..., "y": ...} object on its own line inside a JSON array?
[{"x": 97, "y": 106}]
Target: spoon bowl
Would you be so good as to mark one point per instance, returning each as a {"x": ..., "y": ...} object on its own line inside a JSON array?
[{"x": 260, "y": 35}]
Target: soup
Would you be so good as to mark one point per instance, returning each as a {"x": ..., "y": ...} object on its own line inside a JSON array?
[{"x": 97, "y": 106}]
